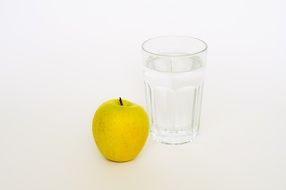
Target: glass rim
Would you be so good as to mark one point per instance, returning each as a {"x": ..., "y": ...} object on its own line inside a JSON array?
[{"x": 174, "y": 36}]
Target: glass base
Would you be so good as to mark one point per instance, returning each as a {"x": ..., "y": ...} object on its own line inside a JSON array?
[{"x": 172, "y": 137}]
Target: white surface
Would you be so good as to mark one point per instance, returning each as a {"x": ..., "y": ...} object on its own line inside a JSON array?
[{"x": 60, "y": 59}]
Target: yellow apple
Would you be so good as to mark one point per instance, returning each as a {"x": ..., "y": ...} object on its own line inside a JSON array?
[{"x": 120, "y": 129}]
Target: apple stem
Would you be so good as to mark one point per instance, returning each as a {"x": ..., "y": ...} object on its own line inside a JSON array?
[{"x": 120, "y": 101}]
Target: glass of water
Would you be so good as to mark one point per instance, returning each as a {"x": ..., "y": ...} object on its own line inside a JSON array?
[{"x": 174, "y": 77}]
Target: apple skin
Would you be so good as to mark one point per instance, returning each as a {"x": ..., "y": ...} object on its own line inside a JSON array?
[{"x": 120, "y": 131}]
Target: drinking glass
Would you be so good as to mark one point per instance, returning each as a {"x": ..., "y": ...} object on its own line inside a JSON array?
[{"x": 174, "y": 77}]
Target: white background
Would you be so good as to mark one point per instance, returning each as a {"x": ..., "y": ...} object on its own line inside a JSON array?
[{"x": 60, "y": 59}]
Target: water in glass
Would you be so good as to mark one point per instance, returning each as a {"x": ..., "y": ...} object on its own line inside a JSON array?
[{"x": 174, "y": 92}]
